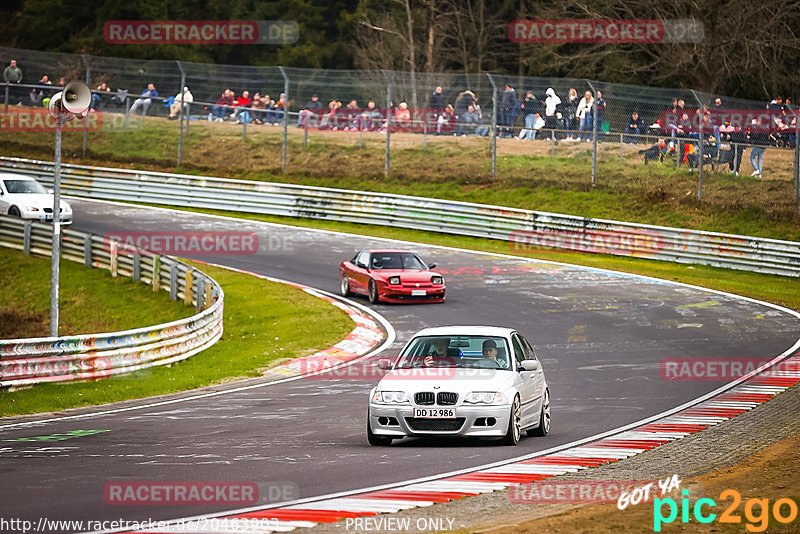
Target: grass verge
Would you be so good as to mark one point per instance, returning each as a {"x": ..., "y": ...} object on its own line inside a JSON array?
[{"x": 264, "y": 323}]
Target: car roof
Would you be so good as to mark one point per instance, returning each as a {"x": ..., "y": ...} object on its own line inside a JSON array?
[
  {"x": 12, "y": 176},
  {"x": 498, "y": 331},
  {"x": 384, "y": 250}
]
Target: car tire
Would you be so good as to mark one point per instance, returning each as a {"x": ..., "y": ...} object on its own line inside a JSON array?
[
  {"x": 375, "y": 440},
  {"x": 344, "y": 286},
  {"x": 14, "y": 211},
  {"x": 374, "y": 298},
  {"x": 514, "y": 431},
  {"x": 544, "y": 418}
]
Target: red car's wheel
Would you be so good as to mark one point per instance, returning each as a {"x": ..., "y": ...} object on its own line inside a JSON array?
[{"x": 344, "y": 286}]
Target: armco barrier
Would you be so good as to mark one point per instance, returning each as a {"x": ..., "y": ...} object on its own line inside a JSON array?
[
  {"x": 523, "y": 229},
  {"x": 92, "y": 356}
]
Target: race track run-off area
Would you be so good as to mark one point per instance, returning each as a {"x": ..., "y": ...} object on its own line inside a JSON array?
[{"x": 603, "y": 338}]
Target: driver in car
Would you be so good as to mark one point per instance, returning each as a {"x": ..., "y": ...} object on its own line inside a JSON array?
[
  {"x": 439, "y": 356},
  {"x": 490, "y": 350}
]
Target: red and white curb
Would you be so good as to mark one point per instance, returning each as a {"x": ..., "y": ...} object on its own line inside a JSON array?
[{"x": 731, "y": 400}]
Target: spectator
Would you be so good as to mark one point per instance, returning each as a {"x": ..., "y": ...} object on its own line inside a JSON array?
[
  {"x": 281, "y": 107},
  {"x": 736, "y": 138},
  {"x": 352, "y": 112},
  {"x": 13, "y": 75},
  {"x": 259, "y": 109},
  {"x": 371, "y": 117},
  {"x": 508, "y": 105},
  {"x": 310, "y": 107},
  {"x": 536, "y": 125},
  {"x": 529, "y": 108},
  {"x": 570, "y": 108},
  {"x": 177, "y": 106},
  {"x": 329, "y": 118},
  {"x": 241, "y": 102},
  {"x": 38, "y": 93},
  {"x": 437, "y": 100},
  {"x": 759, "y": 141},
  {"x": 447, "y": 119},
  {"x": 463, "y": 101},
  {"x": 145, "y": 99},
  {"x": 718, "y": 104},
  {"x": 601, "y": 110},
  {"x": 635, "y": 126},
  {"x": 469, "y": 121},
  {"x": 483, "y": 128},
  {"x": 710, "y": 151},
  {"x": 777, "y": 103},
  {"x": 224, "y": 103},
  {"x": 550, "y": 103},
  {"x": 584, "y": 115},
  {"x": 271, "y": 117},
  {"x": 402, "y": 115},
  {"x": 101, "y": 93}
]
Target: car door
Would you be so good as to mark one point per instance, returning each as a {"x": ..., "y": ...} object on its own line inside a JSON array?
[
  {"x": 530, "y": 386},
  {"x": 4, "y": 202},
  {"x": 360, "y": 276}
]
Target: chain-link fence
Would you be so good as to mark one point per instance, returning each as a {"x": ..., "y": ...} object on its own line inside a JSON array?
[{"x": 389, "y": 113}]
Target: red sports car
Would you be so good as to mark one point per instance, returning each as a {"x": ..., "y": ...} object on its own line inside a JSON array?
[{"x": 391, "y": 276}]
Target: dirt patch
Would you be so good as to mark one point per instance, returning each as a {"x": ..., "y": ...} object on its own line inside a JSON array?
[{"x": 17, "y": 324}]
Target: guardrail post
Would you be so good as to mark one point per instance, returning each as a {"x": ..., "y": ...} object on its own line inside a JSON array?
[
  {"x": 201, "y": 287},
  {"x": 173, "y": 282},
  {"x": 156, "y": 272},
  {"x": 207, "y": 301},
  {"x": 137, "y": 266},
  {"x": 113, "y": 258},
  {"x": 187, "y": 291},
  {"x": 87, "y": 251},
  {"x": 26, "y": 239}
]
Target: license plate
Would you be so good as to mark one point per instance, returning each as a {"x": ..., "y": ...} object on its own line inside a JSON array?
[
  {"x": 418, "y": 292},
  {"x": 435, "y": 413},
  {"x": 48, "y": 217}
]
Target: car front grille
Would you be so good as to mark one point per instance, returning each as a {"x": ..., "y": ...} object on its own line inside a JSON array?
[
  {"x": 435, "y": 425},
  {"x": 50, "y": 210},
  {"x": 446, "y": 399},
  {"x": 424, "y": 398}
]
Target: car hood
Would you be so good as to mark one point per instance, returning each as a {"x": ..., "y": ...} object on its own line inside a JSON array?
[
  {"x": 447, "y": 379},
  {"x": 416, "y": 275},
  {"x": 35, "y": 200}
]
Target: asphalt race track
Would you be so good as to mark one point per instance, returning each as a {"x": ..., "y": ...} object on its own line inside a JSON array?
[{"x": 600, "y": 336}]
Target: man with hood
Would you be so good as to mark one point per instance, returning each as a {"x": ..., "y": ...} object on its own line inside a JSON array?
[{"x": 550, "y": 103}]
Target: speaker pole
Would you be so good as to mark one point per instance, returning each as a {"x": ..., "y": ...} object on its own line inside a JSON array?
[{"x": 56, "y": 256}]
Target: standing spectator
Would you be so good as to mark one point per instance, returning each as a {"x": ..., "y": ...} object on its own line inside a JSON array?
[
  {"x": 550, "y": 104},
  {"x": 177, "y": 106},
  {"x": 736, "y": 137},
  {"x": 145, "y": 99},
  {"x": 635, "y": 126},
  {"x": 97, "y": 97},
  {"x": 507, "y": 104},
  {"x": 436, "y": 102},
  {"x": 13, "y": 75},
  {"x": 601, "y": 110},
  {"x": 584, "y": 115},
  {"x": 759, "y": 141},
  {"x": 310, "y": 107},
  {"x": 529, "y": 108},
  {"x": 37, "y": 93},
  {"x": 571, "y": 112},
  {"x": 224, "y": 103}
]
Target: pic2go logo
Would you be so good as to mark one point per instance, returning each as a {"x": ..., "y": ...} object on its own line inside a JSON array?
[{"x": 756, "y": 511}]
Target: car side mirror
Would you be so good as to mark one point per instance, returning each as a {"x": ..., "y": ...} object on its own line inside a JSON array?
[
  {"x": 51, "y": 191},
  {"x": 359, "y": 264},
  {"x": 385, "y": 365},
  {"x": 432, "y": 266},
  {"x": 530, "y": 365}
]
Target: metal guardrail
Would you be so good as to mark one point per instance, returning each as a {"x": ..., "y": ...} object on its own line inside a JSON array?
[
  {"x": 525, "y": 230},
  {"x": 93, "y": 356}
]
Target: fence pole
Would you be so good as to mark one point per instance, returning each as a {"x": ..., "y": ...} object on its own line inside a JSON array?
[
  {"x": 493, "y": 138},
  {"x": 700, "y": 145},
  {"x": 305, "y": 131},
  {"x": 620, "y": 149},
  {"x": 552, "y": 144},
  {"x": 180, "y": 129},
  {"x": 796, "y": 163},
  {"x": 6, "y": 105},
  {"x": 86, "y": 119},
  {"x": 388, "y": 123},
  {"x": 285, "y": 118},
  {"x": 594, "y": 133}
]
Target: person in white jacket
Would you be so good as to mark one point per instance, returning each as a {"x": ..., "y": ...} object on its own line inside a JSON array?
[
  {"x": 584, "y": 114},
  {"x": 175, "y": 107},
  {"x": 550, "y": 103}
]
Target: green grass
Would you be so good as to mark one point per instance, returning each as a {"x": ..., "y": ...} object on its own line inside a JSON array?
[{"x": 264, "y": 322}]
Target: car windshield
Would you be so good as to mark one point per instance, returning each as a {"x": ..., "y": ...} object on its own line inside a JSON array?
[
  {"x": 487, "y": 352},
  {"x": 24, "y": 187},
  {"x": 396, "y": 260}
]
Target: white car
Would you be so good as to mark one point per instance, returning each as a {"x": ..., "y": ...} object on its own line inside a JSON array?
[
  {"x": 476, "y": 381},
  {"x": 22, "y": 196}
]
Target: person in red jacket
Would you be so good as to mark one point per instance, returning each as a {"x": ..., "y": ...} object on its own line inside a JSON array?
[{"x": 241, "y": 102}]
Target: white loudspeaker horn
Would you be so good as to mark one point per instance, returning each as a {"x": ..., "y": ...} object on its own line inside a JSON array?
[
  {"x": 55, "y": 104},
  {"x": 76, "y": 97}
]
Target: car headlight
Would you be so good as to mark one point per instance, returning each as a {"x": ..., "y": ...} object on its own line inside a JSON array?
[
  {"x": 31, "y": 208},
  {"x": 394, "y": 280},
  {"x": 437, "y": 280},
  {"x": 390, "y": 397},
  {"x": 485, "y": 397}
]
